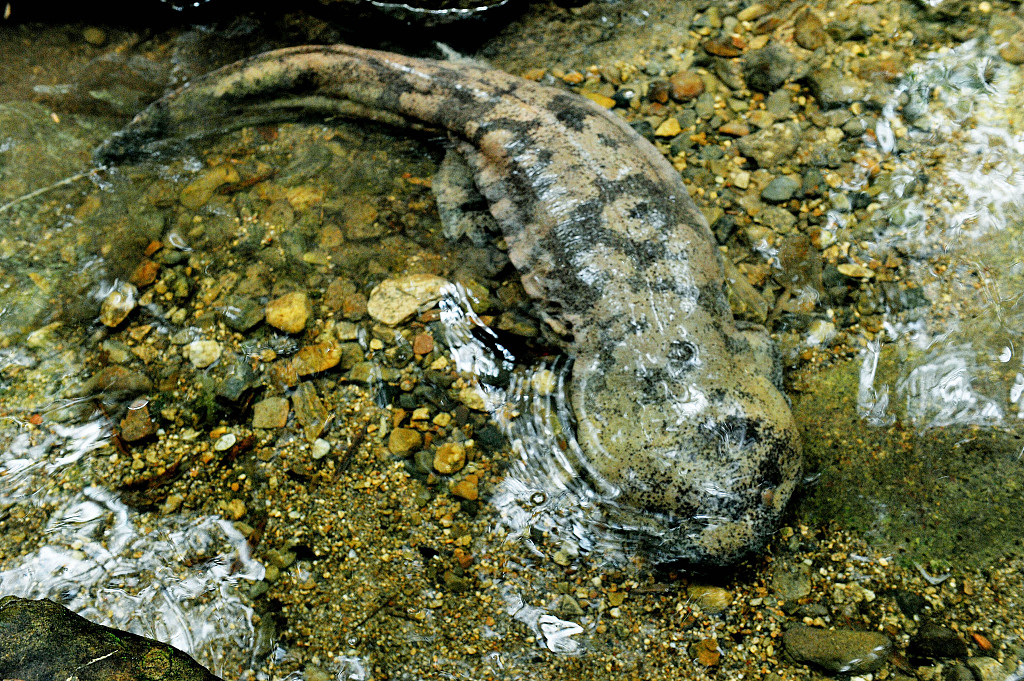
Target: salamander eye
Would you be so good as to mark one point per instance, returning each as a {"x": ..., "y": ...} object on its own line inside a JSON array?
[{"x": 681, "y": 356}]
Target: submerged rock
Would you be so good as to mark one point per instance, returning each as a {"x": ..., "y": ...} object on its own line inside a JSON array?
[
  {"x": 44, "y": 640},
  {"x": 838, "y": 651}
]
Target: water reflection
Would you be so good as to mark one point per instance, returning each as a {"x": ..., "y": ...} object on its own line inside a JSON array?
[
  {"x": 173, "y": 578},
  {"x": 955, "y": 206}
]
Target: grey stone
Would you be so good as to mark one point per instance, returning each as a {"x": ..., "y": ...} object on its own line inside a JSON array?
[
  {"x": 765, "y": 70},
  {"x": 936, "y": 641},
  {"x": 790, "y": 582},
  {"x": 780, "y": 189},
  {"x": 241, "y": 313},
  {"x": 832, "y": 89},
  {"x": 771, "y": 146}
]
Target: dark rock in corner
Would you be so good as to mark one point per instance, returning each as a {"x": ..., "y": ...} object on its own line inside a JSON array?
[{"x": 42, "y": 640}]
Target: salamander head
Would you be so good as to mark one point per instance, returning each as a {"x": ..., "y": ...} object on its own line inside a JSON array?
[{"x": 690, "y": 428}]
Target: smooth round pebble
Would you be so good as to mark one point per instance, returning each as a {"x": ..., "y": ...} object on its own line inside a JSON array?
[
  {"x": 203, "y": 353},
  {"x": 320, "y": 449}
]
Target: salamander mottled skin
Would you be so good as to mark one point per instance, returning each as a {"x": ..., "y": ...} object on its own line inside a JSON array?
[{"x": 677, "y": 409}]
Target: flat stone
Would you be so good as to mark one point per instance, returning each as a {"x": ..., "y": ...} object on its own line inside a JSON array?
[
  {"x": 710, "y": 598},
  {"x": 772, "y": 145},
  {"x": 765, "y": 70},
  {"x": 310, "y": 411},
  {"x": 404, "y": 441},
  {"x": 137, "y": 424},
  {"x": 363, "y": 372},
  {"x": 808, "y": 31},
  {"x": 200, "y": 190},
  {"x": 115, "y": 380},
  {"x": 988, "y": 669},
  {"x": 394, "y": 300},
  {"x": 722, "y": 47},
  {"x": 289, "y": 313},
  {"x": 241, "y": 313},
  {"x": 270, "y": 413},
  {"x": 833, "y": 90},
  {"x": 780, "y": 189},
  {"x": 776, "y": 218},
  {"x": 467, "y": 488},
  {"x": 838, "y": 651},
  {"x": 315, "y": 358},
  {"x": 361, "y": 221}
]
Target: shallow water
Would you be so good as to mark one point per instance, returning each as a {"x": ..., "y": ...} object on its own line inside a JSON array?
[{"x": 376, "y": 566}]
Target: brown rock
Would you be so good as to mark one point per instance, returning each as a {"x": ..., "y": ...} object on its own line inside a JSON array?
[
  {"x": 282, "y": 372},
  {"x": 289, "y": 313},
  {"x": 734, "y": 129},
  {"x": 423, "y": 344},
  {"x": 685, "y": 85},
  {"x": 361, "y": 222},
  {"x": 337, "y": 290},
  {"x": 270, "y": 413},
  {"x": 330, "y": 237},
  {"x": 315, "y": 358},
  {"x": 658, "y": 91},
  {"x": 200, "y": 190},
  {"x": 404, "y": 441},
  {"x": 706, "y": 652},
  {"x": 710, "y": 598},
  {"x": 310, "y": 411},
  {"x": 145, "y": 273},
  {"x": 353, "y": 306},
  {"x": 838, "y": 651},
  {"x": 467, "y": 489},
  {"x": 724, "y": 46},
  {"x": 137, "y": 424},
  {"x": 449, "y": 458},
  {"x": 116, "y": 380},
  {"x": 809, "y": 32}
]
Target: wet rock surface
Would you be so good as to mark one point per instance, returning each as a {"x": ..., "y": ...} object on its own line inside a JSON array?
[
  {"x": 369, "y": 540},
  {"x": 40, "y": 639},
  {"x": 839, "y": 651}
]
